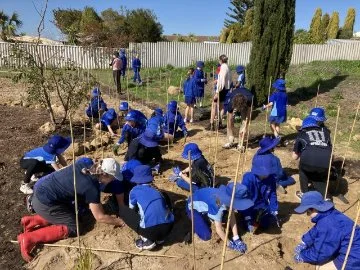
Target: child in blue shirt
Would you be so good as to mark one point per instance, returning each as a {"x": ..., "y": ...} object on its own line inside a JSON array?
[
  {"x": 172, "y": 121},
  {"x": 189, "y": 95},
  {"x": 200, "y": 80},
  {"x": 97, "y": 105},
  {"x": 123, "y": 59},
  {"x": 241, "y": 80},
  {"x": 109, "y": 122},
  {"x": 278, "y": 101},
  {"x": 136, "y": 66},
  {"x": 150, "y": 214}
]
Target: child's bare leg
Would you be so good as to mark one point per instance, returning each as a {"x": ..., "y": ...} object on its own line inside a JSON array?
[
  {"x": 277, "y": 128},
  {"x": 273, "y": 128},
  {"x": 192, "y": 112},
  {"x": 186, "y": 112},
  {"x": 213, "y": 112}
]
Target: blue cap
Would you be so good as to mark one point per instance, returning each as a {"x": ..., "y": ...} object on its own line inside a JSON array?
[
  {"x": 313, "y": 199},
  {"x": 56, "y": 145},
  {"x": 262, "y": 165},
  {"x": 241, "y": 197},
  {"x": 124, "y": 106},
  {"x": 149, "y": 138},
  {"x": 309, "y": 122},
  {"x": 142, "y": 175},
  {"x": 131, "y": 116},
  {"x": 318, "y": 114},
  {"x": 279, "y": 84},
  {"x": 129, "y": 167},
  {"x": 87, "y": 161},
  {"x": 200, "y": 64},
  {"x": 172, "y": 106},
  {"x": 96, "y": 92},
  {"x": 193, "y": 148},
  {"x": 240, "y": 69},
  {"x": 267, "y": 144},
  {"x": 158, "y": 111}
]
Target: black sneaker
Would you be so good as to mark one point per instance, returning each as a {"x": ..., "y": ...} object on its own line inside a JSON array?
[
  {"x": 299, "y": 195},
  {"x": 145, "y": 245}
]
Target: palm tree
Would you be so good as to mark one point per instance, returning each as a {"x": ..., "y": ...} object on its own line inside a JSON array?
[{"x": 9, "y": 25}]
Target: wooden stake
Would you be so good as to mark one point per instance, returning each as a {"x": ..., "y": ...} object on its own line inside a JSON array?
[
  {"x": 317, "y": 95},
  {"x": 232, "y": 200},
  {"x": 217, "y": 137},
  {"x": 332, "y": 152},
  {"x": 267, "y": 110},
  {"x": 108, "y": 250},
  {"x": 167, "y": 102},
  {"x": 147, "y": 87},
  {"x": 84, "y": 137},
  {"x": 192, "y": 213},
  {"x": 127, "y": 88},
  {"x": 75, "y": 190}
]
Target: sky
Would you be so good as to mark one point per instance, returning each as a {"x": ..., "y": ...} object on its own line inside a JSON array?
[{"x": 200, "y": 17}]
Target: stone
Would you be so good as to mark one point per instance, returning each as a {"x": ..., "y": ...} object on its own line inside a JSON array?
[
  {"x": 16, "y": 103},
  {"x": 88, "y": 147},
  {"x": 295, "y": 123},
  {"x": 100, "y": 141},
  {"x": 173, "y": 90},
  {"x": 356, "y": 137},
  {"x": 78, "y": 150},
  {"x": 26, "y": 104},
  {"x": 47, "y": 128}
]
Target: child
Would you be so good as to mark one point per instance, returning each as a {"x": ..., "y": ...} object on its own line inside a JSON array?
[
  {"x": 123, "y": 59},
  {"x": 156, "y": 122},
  {"x": 200, "y": 80},
  {"x": 319, "y": 115},
  {"x": 189, "y": 96},
  {"x": 116, "y": 66},
  {"x": 325, "y": 245},
  {"x": 202, "y": 173},
  {"x": 267, "y": 147},
  {"x": 261, "y": 183},
  {"x": 240, "y": 70},
  {"x": 109, "y": 121},
  {"x": 42, "y": 160},
  {"x": 97, "y": 105},
  {"x": 172, "y": 121},
  {"x": 149, "y": 215},
  {"x": 209, "y": 204},
  {"x": 136, "y": 65},
  {"x": 278, "y": 101}
]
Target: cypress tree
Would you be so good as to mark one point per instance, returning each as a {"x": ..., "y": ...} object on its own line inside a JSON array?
[
  {"x": 231, "y": 37},
  {"x": 315, "y": 27},
  {"x": 272, "y": 41},
  {"x": 333, "y": 28},
  {"x": 324, "y": 25},
  {"x": 347, "y": 30},
  {"x": 224, "y": 35}
]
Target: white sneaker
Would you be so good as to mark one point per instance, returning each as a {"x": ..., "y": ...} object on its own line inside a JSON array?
[
  {"x": 34, "y": 178},
  {"x": 185, "y": 120},
  {"x": 26, "y": 189},
  {"x": 191, "y": 120},
  {"x": 228, "y": 145}
]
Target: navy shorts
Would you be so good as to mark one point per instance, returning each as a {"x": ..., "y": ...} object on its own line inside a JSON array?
[
  {"x": 222, "y": 95},
  {"x": 277, "y": 119},
  {"x": 190, "y": 100}
]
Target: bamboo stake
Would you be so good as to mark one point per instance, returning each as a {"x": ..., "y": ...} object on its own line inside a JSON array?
[
  {"x": 267, "y": 110},
  {"x": 127, "y": 88},
  {"x": 216, "y": 138},
  {"x": 74, "y": 175},
  {"x": 84, "y": 137},
  {"x": 108, "y": 250},
  {"x": 147, "y": 87},
  {"x": 232, "y": 200},
  {"x": 317, "y": 95},
  {"x": 192, "y": 212},
  {"x": 101, "y": 144},
  {"x": 332, "y": 152},
  {"x": 248, "y": 128},
  {"x": 352, "y": 235},
  {"x": 168, "y": 123},
  {"x": 178, "y": 99}
]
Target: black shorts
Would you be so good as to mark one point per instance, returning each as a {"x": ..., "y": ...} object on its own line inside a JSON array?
[{"x": 222, "y": 95}]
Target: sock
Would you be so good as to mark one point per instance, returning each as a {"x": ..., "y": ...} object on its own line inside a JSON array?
[{"x": 235, "y": 237}]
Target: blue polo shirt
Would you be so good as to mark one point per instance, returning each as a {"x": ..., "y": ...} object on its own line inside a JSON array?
[
  {"x": 41, "y": 155},
  {"x": 206, "y": 201},
  {"x": 280, "y": 101},
  {"x": 152, "y": 206},
  {"x": 108, "y": 117}
]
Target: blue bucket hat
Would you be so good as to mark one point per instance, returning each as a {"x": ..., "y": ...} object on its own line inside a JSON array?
[
  {"x": 267, "y": 144},
  {"x": 87, "y": 161},
  {"x": 158, "y": 111},
  {"x": 57, "y": 145},
  {"x": 124, "y": 106},
  {"x": 172, "y": 106},
  {"x": 240, "y": 69},
  {"x": 96, "y": 92},
  {"x": 200, "y": 64},
  {"x": 122, "y": 51},
  {"x": 195, "y": 152},
  {"x": 131, "y": 116},
  {"x": 262, "y": 165},
  {"x": 313, "y": 199},
  {"x": 148, "y": 138},
  {"x": 241, "y": 197},
  {"x": 279, "y": 84},
  {"x": 309, "y": 122},
  {"x": 128, "y": 168},
  {"x": 318, "y": 114},
  {"x": 142, "y": 175}
]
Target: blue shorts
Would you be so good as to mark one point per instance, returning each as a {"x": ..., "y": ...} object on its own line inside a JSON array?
[
  {"x": 277, "y": 119},
  {"x": 189, "y": 100}
]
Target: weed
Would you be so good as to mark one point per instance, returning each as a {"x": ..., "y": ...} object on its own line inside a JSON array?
[
  {"x": 337, "y": 96},
  {"x": 84, "y": 260}
]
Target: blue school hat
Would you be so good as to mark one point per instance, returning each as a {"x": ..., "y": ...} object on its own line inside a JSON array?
[
  {"x": 267, "y": 144},
  {"x": 124, "y": 106},
  {"x": 279, "y": 84},
  {"x": 200, "y": 64},
  {"x": 309, "y": 122},
  {"x": 87, "y": 161},
  {"x": 240, "y": 69},
  {"x": 313, "y": 199},
  {"x": 262, "y": 165},
  {"x": 158, "y": 111},
  {"x": 318, "y": 114},
  {"x": 195, "y": 152},
  {"x": 142, "y": 175},
  {"x": 241, "y": 196},
  {"x": 131, "y": 116},
  {"x": 129, "y": 167},
  {"x": 57, "y": 145},
  {"x": 172, "y": 106},
  {"x": 96, "y": 92},
  {"x": 148, "y": 138},
  {"x": 122, "y": 50}
]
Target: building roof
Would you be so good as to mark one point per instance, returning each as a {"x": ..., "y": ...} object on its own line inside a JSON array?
[{"x": 194, "y": 38}]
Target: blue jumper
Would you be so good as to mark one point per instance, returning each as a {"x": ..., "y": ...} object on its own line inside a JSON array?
[
  {"x": 174, "y": 119},
  {"x": 200, "y": 83},
  {"x": 96, "y": 103}
]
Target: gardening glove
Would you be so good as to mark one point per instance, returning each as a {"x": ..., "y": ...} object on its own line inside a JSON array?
[
  {"x": 177, "y": 171},
  {"x": 300, "y": 247},
  {"x": 156, "y": 168},
  {"x": 115, "y": 149},
  {"x": 237, "y": 245},
  {"x": 173, "y": 178},
  {"x": 298, "y": 258},
  {"x": 263, "y": 107}
]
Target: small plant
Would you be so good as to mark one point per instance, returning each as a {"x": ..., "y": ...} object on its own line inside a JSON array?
[
  {"x": 338, "y": 96},
  {"x": 84, "y": 260}
]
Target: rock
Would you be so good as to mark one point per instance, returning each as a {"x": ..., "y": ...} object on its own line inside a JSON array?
[
  {"x": 100, "y": 141},
  {"x": 26, "y": 104},
  {"x": 16, "y": 103},
  {"x": 58, "y": 110},
  {"x": 47, "y": 128},
  {"x": 173, "y": 90},
  {"x": 356, "y": 137},
  {"x": 88, "y": 147},
  {"x": 78, "y": 149},
  {"x": 295, "y": 123}
]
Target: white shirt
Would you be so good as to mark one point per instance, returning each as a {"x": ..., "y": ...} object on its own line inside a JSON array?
[{"x": 224, "y": 80}]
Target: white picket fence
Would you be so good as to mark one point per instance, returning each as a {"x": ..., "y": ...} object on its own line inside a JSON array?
[{"x": 178, "y": 54}]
